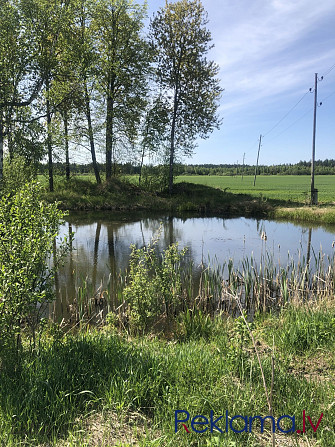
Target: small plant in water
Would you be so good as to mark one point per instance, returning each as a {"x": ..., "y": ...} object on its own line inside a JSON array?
[{"x": 154, "y": 285}]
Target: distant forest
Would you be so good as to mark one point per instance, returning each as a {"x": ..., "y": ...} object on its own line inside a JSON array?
[{"x": 322, "y": 167}]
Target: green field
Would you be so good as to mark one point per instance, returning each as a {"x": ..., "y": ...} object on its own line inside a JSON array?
[{"x": 294, "y": 188}]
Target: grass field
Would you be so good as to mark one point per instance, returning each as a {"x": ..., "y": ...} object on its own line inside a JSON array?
[
  {"x": 107, "y": 386},
  {"x": 293, "y": 188}
]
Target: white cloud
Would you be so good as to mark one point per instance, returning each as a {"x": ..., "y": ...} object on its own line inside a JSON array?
[{"x": 266, "y": 47}]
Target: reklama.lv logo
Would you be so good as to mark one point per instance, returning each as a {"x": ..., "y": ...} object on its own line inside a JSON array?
[{"x": 211, "y": 423}]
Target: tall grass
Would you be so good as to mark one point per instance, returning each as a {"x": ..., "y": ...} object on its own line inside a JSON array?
[
  {"x": 64, "y": 390},
  {"x": 261, "y": 285}
]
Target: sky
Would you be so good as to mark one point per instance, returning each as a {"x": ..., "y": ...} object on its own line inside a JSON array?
[{"x": 268, "y": 52}]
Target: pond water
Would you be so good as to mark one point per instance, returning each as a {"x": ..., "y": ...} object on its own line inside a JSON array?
[{"x": 101, "y": 245}]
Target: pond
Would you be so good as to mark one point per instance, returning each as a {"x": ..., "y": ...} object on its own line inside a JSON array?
[{"x": 101, "y": 245}]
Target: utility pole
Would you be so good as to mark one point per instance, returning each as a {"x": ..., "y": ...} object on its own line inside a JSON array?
[
  {"x": 314, "y": 192},
  {"x": 259, "y": 148},
  {"x": 243, "y": 165}
]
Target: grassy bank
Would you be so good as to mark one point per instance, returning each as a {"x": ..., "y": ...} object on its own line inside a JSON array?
[
  {"x": 99, "y": 387},
  {"x": 274, "y": 196},
  {"x": 123, "y": 195}
]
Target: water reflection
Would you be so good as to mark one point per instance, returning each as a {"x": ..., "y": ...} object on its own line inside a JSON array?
[{"x": 101, "y": 246}]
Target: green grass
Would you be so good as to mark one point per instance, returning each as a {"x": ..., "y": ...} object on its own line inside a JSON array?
[
  {"x": 98, "y": 387},
  {"x": 286, "y": 188},
  {"x": 282, "y": 197}
]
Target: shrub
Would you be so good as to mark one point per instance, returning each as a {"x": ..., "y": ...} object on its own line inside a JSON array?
[
  {"x": 154, "y": 283},
  {"x": 17, "y": 173},
  {"x": 155, "y": 178},
  {"x": 28, "y": 228}
]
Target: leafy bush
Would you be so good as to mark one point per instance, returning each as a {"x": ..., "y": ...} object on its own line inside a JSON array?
[
  {"x": 155, "y": 178},
  {"x": 154, "y": 283},
  {"x": 28, "y": 228},
  {"x": 16, "y": 174}
]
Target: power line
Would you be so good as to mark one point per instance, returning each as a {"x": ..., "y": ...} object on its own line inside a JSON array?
[
  {"x": 291, "y": 125},
  {"x": 331, "y": 94},
  {"x": 329, "y": 70},
  {"x": 298, "y": 102},
  {"x": 254, "y": 144},
  {"x": 301, "y": 117},
  {"x": 282, "y": 119}
]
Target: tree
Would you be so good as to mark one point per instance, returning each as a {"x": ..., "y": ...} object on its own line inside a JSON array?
[
  {"x": 19, "y": 85},
  {"x": 184, "y": 75},
  {"x": 154, "y": 128},
  {"x": 122, "y": 69},
  {"x": 48, "y": 21},
  {"x": 85, "y": 56}
]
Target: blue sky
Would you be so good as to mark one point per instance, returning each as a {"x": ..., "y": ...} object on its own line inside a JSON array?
[{"x": 268, "y": 52}]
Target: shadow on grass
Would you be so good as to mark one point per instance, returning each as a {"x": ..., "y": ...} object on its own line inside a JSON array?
[
  {"x": 41, "y": 399},
  {"x": 215, "y": 200},
  {"x": 119, "y": 195}
]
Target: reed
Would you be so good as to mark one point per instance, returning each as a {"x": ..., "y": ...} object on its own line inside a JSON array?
[{"x": 262, "y": 285}]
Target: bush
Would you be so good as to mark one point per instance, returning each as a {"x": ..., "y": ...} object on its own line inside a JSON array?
[
  {"x": 17, "y": 173},
  {"x": 154, "y": 284},
  {"x": 28, "y": 228},
  {"x": 155, "y": 178}
]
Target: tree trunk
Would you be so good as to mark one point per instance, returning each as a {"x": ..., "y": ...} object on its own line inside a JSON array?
[
  {"x": 172, "y": 142},
  {"x": 49, "y": 144},
  {"x": 141, "y": 166},
  {"x": 90, "y": 135},
  {"x": 109, "y": 137},
  {"x": 66, "y": 134},
  {"x": 171, "y": 162},
  {"x": 10, "y": 145}
]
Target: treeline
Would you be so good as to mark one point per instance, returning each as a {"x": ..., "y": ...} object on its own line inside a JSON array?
[
  {"x": 322, "y": 167},
  {"x": 86, "y": 73}
]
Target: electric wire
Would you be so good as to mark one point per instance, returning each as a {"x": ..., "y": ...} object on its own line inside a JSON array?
[
  {"x": 301, "y": 117},
  {"x": 295, "y": 105},
  {"x": 331, "y": 94},
  {"x": 282, "y": 119},
  {"x": 291, "y": 125},
  {"x": 329, "y": 70}
]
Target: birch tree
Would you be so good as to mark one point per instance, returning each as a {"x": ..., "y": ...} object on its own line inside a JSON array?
[
  {"x": 122, "y": 68},
  {"x": 186, "y": 79}
]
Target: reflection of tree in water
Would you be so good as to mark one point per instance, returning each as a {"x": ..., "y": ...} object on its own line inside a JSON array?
[
  {"x": 102, "y": 250},
  {"x": 111, "y": 237},
  {"x": 170, "y": 234}
]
